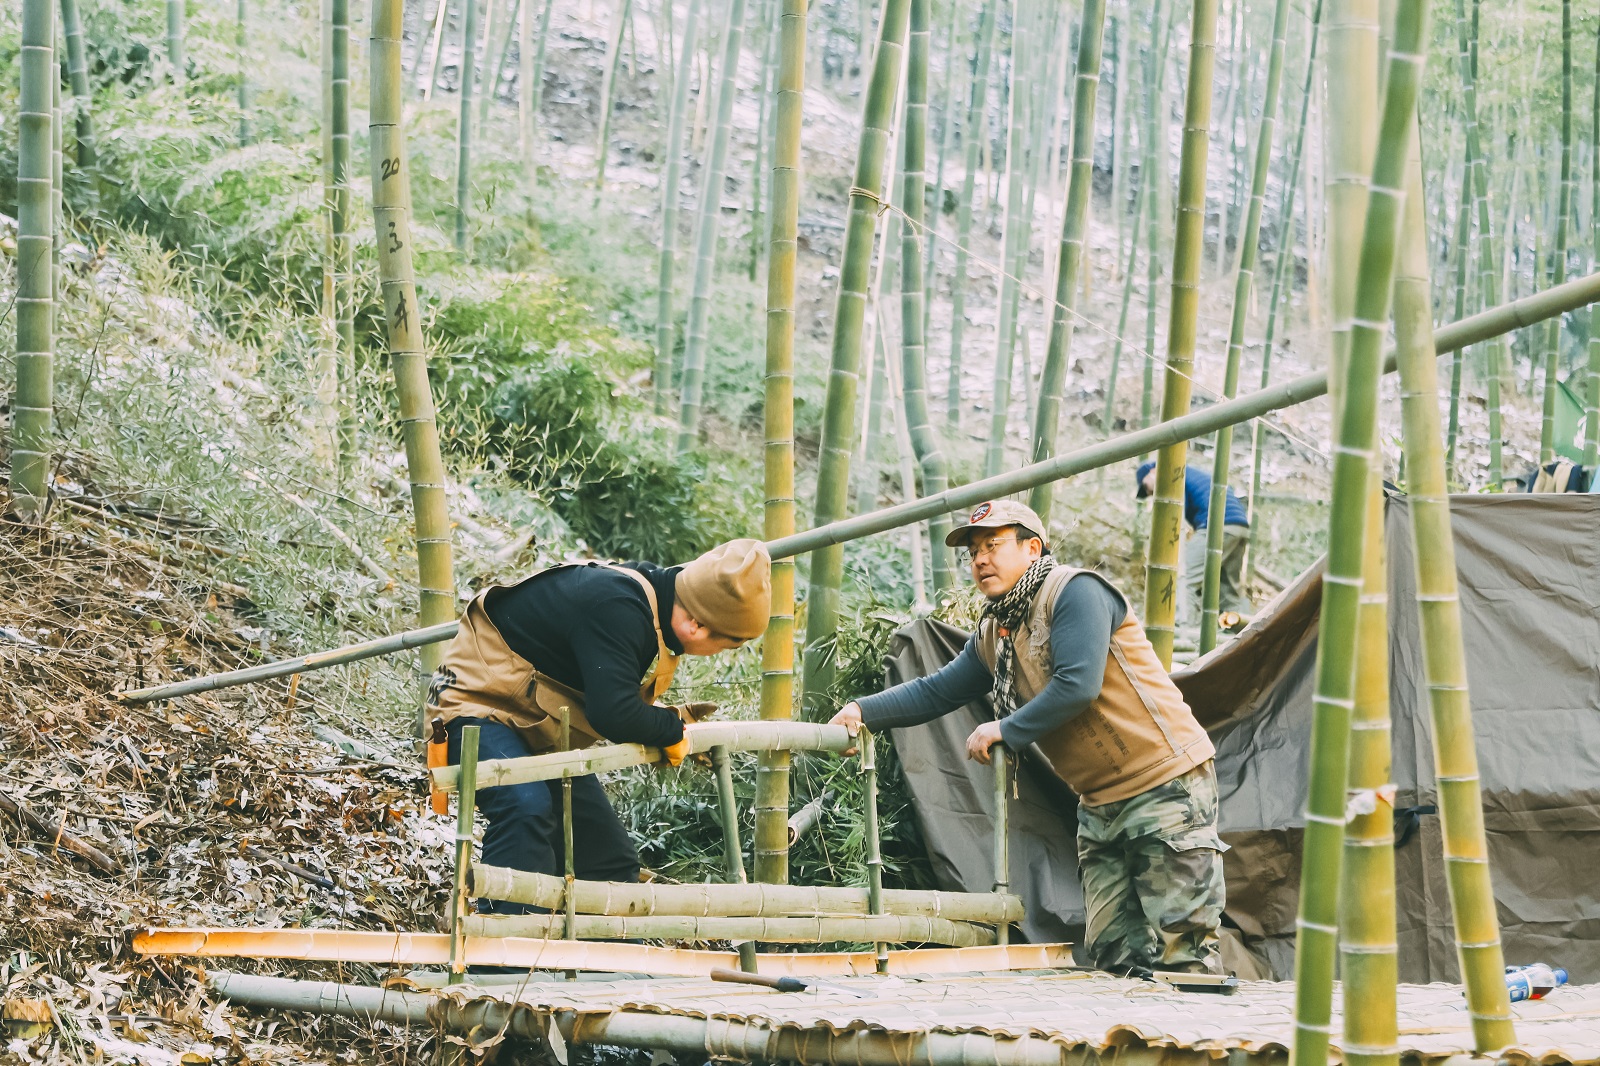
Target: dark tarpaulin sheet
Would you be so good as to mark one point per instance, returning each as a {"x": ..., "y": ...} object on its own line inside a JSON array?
[{"x": 1529, "y": 569}]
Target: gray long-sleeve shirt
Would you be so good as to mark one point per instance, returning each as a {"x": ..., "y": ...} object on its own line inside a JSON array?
[{"x": 1087, "y": 612}]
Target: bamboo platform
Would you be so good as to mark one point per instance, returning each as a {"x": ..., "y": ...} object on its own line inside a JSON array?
[{"x": 1037, "y": 1019}]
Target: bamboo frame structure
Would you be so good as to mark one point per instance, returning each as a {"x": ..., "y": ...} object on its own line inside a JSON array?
[
  {"x": 702, "y": 738},
  {"x": 1355, "y": 457},
  {"x": 746, "y": 900},
  {"x": 33, "y": 402},
  {"x": 1444, "y": 663},
  {"x": 1243, "y": 284},
  {"x": 391, "y": 212},
  {"x": 1069, "y": 256},
  {"x": 708, "y": 225},
  {"x": 839, "y": 417},
  {"x": 880, "y": 928},
  {"x": 666, "y": 333},
  {"x": 1166, "y": 529},
  {"x": 771, "y": 849},
  {"x": 434, "y": 949}
]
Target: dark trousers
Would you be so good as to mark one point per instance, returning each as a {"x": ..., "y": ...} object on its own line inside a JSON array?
[{"x": 523, "y": 822}]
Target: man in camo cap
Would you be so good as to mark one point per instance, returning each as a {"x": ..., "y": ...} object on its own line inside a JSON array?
[{"x": 1066, "y": 665}]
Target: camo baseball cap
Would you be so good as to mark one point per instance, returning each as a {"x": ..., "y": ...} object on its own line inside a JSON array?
[{"x": 997, "y": 514}]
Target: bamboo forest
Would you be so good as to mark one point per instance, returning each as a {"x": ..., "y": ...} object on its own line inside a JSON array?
[{"x": 843, "y": 532}]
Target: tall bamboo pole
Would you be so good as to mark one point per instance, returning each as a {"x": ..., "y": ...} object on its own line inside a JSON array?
[
  {"x": 1243, "y": 284},
  {"x": 670, "y": 181},
  {"x": 241, "y": 39},
  {"x": 1488, "y": 277},
  {"x": 1014, "y": 249},
  {"x": 1552, "y": 354},
  {"x": 608, "y": 87},
  {"x": 1463, "y": 256},
  {"x": 1281, "y": 270},
  {"x": 913, "y": 297},
  {"x": 771, "y": 858},
  {"x": 954, "y": 71},
  {"x": 32, "y": 402},
  {"x": 175, "y": 56},
  {"x": 839, "y": 417},
  {"x": 1074, "y": 232},
  {"x": 441, "y": 22},
  {"x": 391, "y": 210},
  {"x": 1444, "y": 662},
  {"x": 78, "y": 73},
  {"x": 535, "y": 84},
  {"x": 343, "y": 247},
  {"x": 1141, "y": 207},
  {"x": 1153, "y": 170},
  {"x": 1591, "y": 419},
  {"x": 1166, "y": 535},
  {"x": 974, "y": 133},
  {"x": 469, "y": 77},
  {"x": 1353, "y": 34},
  {"x": 491, "y": 22},
  {"x": 707, "y": 228},
  {"x": 526, "y": 92},
  {"x": 760, "y": 160}
]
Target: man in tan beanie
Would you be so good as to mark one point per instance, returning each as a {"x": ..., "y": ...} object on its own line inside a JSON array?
[{"x": 584, "y": 636}]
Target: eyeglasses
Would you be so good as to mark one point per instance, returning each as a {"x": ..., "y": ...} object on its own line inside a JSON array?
[{"x": 972, "y": 555}]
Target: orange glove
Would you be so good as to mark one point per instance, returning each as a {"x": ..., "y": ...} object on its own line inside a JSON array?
[
  {"x": 690, "y": 713},
  {"x": 674, "y": 754}
]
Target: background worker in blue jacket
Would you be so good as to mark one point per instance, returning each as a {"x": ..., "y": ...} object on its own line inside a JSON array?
[{"x": 1235, "y": 538}]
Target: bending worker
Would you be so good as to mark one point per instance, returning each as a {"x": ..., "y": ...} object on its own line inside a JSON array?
[
  {"x": 1068, "y": 669},
  {"x": 583, "y": 636},
  {"x": 1235, "y": 539}
]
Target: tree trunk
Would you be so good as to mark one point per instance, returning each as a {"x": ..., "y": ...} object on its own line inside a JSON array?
[
  {"x": 391, "y": 209},
  {"x": 666, "y": 339},
  {"x": 708, "y": 226},
  {"x": 777, "y": 647},
  {"x": 839, "y": 418},
  {"x": 31, "y": 408},
  {"x": 1166, "y": 536}
]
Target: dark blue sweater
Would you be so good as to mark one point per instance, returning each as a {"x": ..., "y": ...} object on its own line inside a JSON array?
[{"x": 1197, "y": 498}]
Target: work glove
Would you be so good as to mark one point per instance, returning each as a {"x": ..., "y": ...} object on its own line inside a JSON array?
[
  {"x": 674, "y": 754},
  {"x": 690, "y": 713}
]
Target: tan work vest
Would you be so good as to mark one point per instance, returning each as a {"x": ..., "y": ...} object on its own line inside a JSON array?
[
  {"x": 481, "y": 677},
  {"x": 1137, "y": 734}
]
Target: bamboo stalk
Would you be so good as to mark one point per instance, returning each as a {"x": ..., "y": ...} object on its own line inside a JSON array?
[
  {"x": 1552, "y": 355},
  {"x": 82, "y": 94},
  {"x": 1352, "y": 37},
  {"x": 340, "y": 375},
  {"x": 1166, "y": 530},
  {"x": 954, "y": 54},
  {"x": 869, "y": 775},
  {"x": 175, "y": 56},
  {"x": 486, "y": 91},
  {"x": 1243, "y": 286},
  {"x": 702, "y": 737},
  {"x": 31, "y": 407},
  {"x": 1444, "y": 663},
  {"x": 1070, "y": 254},
  {"x": 568, "y": 849},
  {"x": 609, "y": 86},
  {"x": 1591, "y": 413},
  {"x": 440, "y": 22},
  {"x": 391, "y": 210},
  {"x": 670, "y": 182},
  {"x": 974, "y": 134},
  {"x": 469, "y": 79},
  {"x": 882, "y": 928},
  {"x": 742, "y": 900},
  {"x": 732, "y": 850},
  {"x": 1154, "y": 165},
  {"x": 838, "y": 424},
  {"x": 769, "y": 91},
  {"x": 707, "y": 228},
  {"x": 466, "y": 807},
  {"x": 1463, "y": 253},
  {"x": 1140, "y": 210},
  {"x": 241, "y": 37},
  {"x": 1002, "y": 835}
]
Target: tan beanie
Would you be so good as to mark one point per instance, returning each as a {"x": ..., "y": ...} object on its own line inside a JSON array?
[{"x": 729, "y": 589}]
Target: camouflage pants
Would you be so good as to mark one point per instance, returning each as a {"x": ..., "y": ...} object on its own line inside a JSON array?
[{"x": 1152, "y": 877}]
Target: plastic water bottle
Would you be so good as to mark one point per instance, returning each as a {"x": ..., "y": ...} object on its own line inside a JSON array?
[{"x": 1533, "y": 982}]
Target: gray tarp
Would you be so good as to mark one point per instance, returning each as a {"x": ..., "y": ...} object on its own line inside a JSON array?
[{"x": 1530, "y": 589}]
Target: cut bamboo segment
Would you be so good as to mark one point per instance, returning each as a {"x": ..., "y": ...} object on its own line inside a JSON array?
[
  {"x": 737, "y": 736},
  {"x": 755, "y": 900},
  {"x": 880, "y": 928},
  {"x": 336, "y": 945}
]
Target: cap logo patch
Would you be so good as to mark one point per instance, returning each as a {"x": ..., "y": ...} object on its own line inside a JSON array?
[{"x": 980, "y": 513}]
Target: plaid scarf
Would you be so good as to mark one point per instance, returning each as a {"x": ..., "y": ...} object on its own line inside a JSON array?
[{"x": 1008, "y": 612}]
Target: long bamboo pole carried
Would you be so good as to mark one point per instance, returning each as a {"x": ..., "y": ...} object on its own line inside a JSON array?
[
  {"x": 839, "y": 416},
  {"x": 1444, "y": 661},
  {"x": 881, "y": 928},
  {"x": 1166, "y": 529},
  {"x": 1243, "y": 287},
  {"x": 702, "y": 738},
  {"x": 33, "y": 401},
  {"x": 752, "y": 900},
  {"x": 1355, "y": 455},
  {"x": 1519, "y": 314}
]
